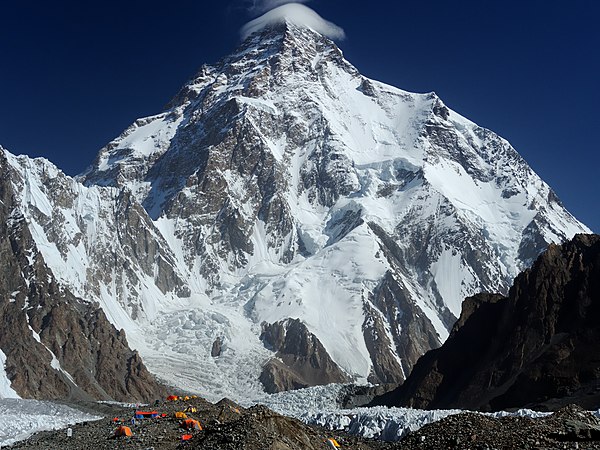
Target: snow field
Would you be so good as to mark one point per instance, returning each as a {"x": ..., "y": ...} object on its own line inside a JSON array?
[
  {"x": 19, "y": 418},
  {"x": 6, "y": 391}
]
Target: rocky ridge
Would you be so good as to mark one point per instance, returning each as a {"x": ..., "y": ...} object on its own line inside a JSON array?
[
  {"x": 536, "y": 348},
  {"x": 57, "y": 345}
]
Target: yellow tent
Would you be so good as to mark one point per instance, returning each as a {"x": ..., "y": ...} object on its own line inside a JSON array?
[
  {"x": 180, "y": 415},
  {"x": 333, "y": 443}
]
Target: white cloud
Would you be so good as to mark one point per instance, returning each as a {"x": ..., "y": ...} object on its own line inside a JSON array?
[
  {"x": 295, "y": 13},
  {"x": 257, "y": 7}
]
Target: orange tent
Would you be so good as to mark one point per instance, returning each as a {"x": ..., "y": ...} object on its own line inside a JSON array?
[
  {"x": 123, "y": 431},
  {"x": 172, "y": 398},
  {"x": 186, "y": 437},
  {"x": 191, "y": 424}
]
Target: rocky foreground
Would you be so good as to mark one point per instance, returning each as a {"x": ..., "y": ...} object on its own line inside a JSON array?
[
  {"x": 536, "y": 348},
  {"x": 228, "y": 426},
  {"x": 568, "y": 428},
  {"x": 225, "y": 425}
]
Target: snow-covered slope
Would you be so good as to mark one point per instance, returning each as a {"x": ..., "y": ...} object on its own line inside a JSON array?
[
  {"x": 19, "y": 419},
  {"x": 281, "y": 183}
]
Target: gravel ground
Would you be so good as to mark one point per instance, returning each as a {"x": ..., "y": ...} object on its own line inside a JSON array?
[
  {"x": 568, "y": 428},
  {"x": 227, "y": 426}
]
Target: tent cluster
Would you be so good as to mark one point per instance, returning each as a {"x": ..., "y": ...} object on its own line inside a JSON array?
[
  {"x": 185, "y": 398},
  {"x": 186, "y": 423}
]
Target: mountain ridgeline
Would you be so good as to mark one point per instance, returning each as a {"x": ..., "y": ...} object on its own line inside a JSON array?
[
  {"x": 283, "y": 194},
  {"x": 538, "y": 347},
  {"x": 55, "y": 344}
]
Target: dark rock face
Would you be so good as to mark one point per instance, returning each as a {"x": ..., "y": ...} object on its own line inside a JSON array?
[
  {"x": 537, "y": 347},
  {"x": 302, "y": 359},
  {"x": 355, "y": 396},
  {"x": 410, "y": 330},
  {"x": 217, "y": 347},
  {"x": 57, "y": 345}
]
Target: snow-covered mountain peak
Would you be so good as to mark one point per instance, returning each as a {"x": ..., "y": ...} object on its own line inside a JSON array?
[
  {"x": 282, "y": 184},
  {"x": 294, "y": 14}
]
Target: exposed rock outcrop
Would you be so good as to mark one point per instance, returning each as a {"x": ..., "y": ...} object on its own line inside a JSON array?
[
  {"x": 538, "y": 347},
  {"x": 302, "y": 359},
  {"x": 396, "y": 332}
]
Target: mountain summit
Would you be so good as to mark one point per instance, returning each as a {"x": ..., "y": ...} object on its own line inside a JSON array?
[
  {"x": 289, "y": 220},
  {"x": 296, "y": 14}
]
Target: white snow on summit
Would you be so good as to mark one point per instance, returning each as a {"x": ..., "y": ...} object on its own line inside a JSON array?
[{"x": 298, "y": 15}]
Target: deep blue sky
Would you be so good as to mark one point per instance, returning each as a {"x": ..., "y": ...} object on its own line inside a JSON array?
[{"x": 75, "y": 74}]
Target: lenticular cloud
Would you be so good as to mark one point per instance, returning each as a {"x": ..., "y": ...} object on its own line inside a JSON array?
[
  {"x": 262, "y": 6},
  {"x": 298, "y": 15}
]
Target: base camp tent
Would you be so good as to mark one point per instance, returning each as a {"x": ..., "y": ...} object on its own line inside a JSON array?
[
  {"x": 146, "y": 414},
  {"x": 191, "y": 424},
  {"x": 123, "y": 431}
]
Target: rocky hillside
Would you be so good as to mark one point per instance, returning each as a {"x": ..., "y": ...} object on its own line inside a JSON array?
[
  {"x": 57, "y": 346},
  {"x": 570, "y": 427},
  {"x": 538, "y": 347}
]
